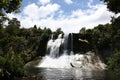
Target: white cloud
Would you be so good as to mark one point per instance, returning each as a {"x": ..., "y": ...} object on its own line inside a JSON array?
[
  {"x": 43, "y": 2},
  {"x": 91, "y": 1},
  {"x": 49, "y": 9},
  {"x": 42, "y": 16},
  {"x": 80, "y": 18},
  {"x": 33, "y": 11},
  {"x": 77, "y": 13},
  {"x": 68, "y": 1}
]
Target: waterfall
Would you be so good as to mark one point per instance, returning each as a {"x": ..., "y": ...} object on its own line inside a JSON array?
[
  {"x": 60, "y": 55},
  {"x": 54, "y": 46}
]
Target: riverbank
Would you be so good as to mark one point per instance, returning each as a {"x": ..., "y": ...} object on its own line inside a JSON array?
[
  {"x": 33, "y": 63},
  {"x": 27, "y": 75}
]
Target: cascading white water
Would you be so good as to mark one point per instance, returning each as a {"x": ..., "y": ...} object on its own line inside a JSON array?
[
  {"x": 53, "y": 47},
  {"x": 67, "y": 59}
]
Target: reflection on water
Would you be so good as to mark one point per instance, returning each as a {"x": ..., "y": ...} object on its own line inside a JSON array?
[{"x": 66, "y": 74}]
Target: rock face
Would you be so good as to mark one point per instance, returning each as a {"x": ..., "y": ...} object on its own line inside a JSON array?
[
  {"x": 89, "y": 60},
  {"x": 80, "y": 44}
]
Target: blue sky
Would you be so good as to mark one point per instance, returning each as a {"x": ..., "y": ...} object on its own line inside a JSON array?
[{"x": 69, "y": 15}]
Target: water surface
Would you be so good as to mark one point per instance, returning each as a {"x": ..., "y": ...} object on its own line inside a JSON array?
[{"x": 65, "y": 74}]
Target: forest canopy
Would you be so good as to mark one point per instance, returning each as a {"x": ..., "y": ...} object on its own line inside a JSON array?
[{"x": 113, "y": 5}]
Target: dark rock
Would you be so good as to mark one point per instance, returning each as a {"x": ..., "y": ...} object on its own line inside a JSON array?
[{"x": 81, "y": 46}]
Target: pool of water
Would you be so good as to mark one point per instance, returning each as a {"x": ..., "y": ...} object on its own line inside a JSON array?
[{"x": 65, "y": 74}]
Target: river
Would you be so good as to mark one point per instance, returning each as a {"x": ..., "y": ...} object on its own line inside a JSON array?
[{"x": 65, "y": 74}]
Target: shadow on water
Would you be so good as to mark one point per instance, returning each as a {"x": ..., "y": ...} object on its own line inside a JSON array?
[
  {"x": 112, "y": 75},
  {"x": 64, "y": 74}
]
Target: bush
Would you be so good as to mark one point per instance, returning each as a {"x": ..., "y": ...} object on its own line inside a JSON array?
[
  {"x": 114, "y": 61},
  {"x": 2, "y": 61},
  {"x": 15, "y": 66}
]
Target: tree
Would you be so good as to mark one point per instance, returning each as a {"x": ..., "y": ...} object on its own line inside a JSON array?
[
  {"x": 8, "y": 6},
  {"x": 14, "y": 22},
  {"x": 82, "y": 31},
  {"x": 13, "y": 27},
  {"x": 116, "y": 33},
  {"x": 15, "y": 65},
  {"x": 2, "y": 61},
  {"x": 59, "y": 31},
  {"x": 114, "y": 61},
  {"x": 113, "y": 5}
]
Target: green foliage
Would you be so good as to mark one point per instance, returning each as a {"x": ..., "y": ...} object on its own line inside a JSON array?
[
  {"x": 116, "y": 33},
  {"x": 114, "y": 61},
  {"x": 2, "y": 62},
  {"x": 9, "y": 6},
  {"x": 2, "y": 32},
  {"x": 11, "y": 65},
  {"x": 105, "y": 40},
  {"x": 102, "y": 36},
  {"x": 113, "y": 5},
  {"x": 83, "y": 30},
  {"x": 13, "y": 27},
  {"x": 14, "y": 65},
  {"x": 19, "y": 46},
  {"x": 59, "y": 31}
]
